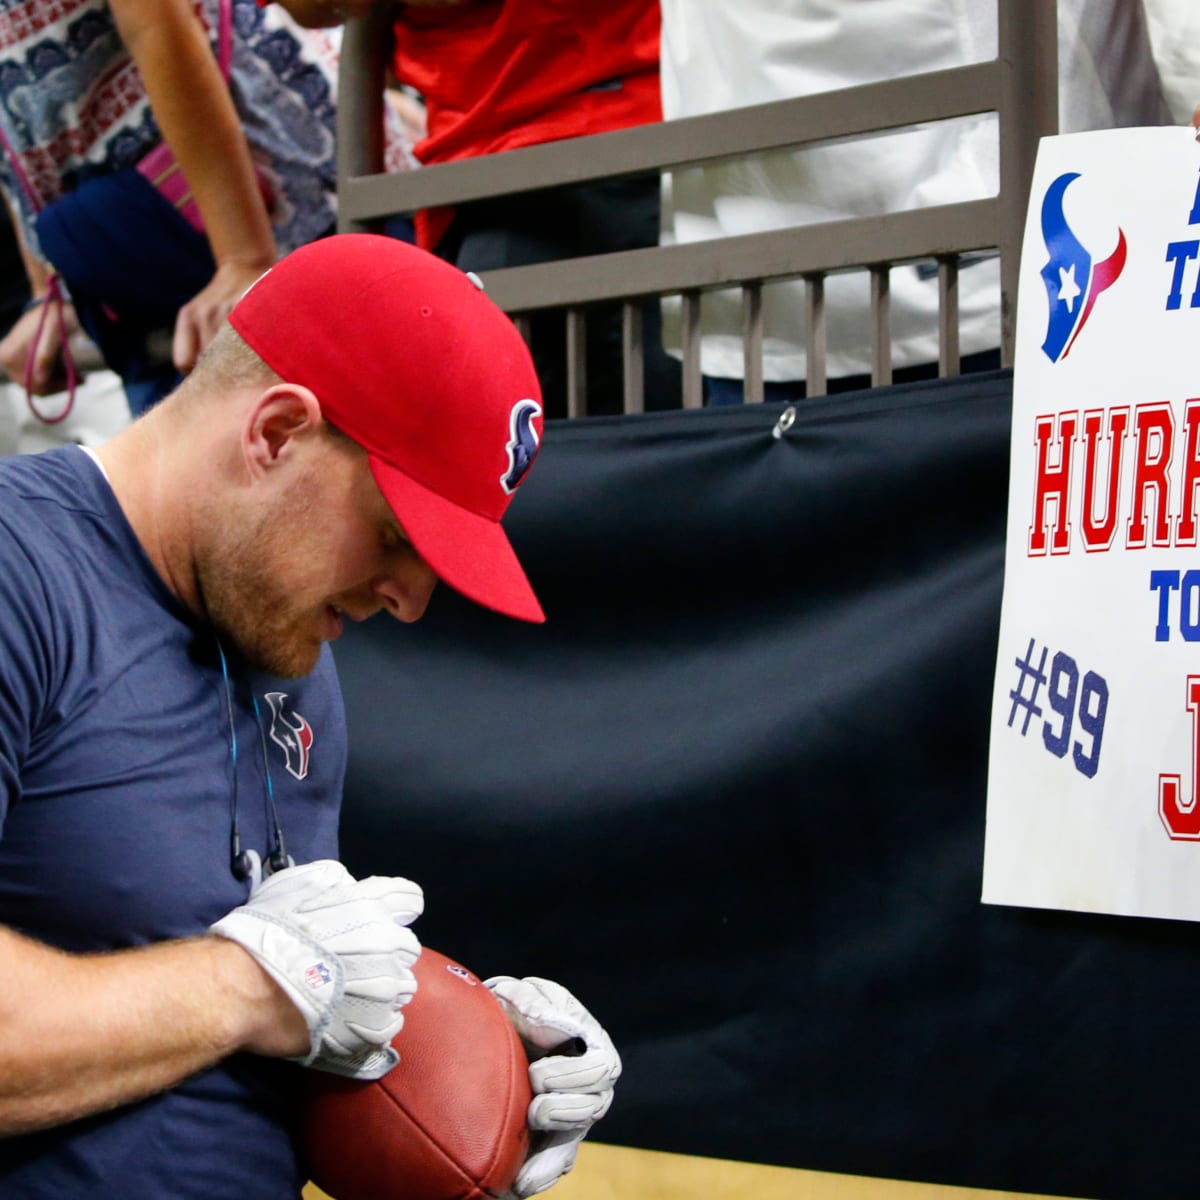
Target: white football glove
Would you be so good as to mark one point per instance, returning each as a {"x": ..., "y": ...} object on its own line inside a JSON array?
[
  {"x": 572, "y": 1067},
  {"x": 340, "y": 950}
]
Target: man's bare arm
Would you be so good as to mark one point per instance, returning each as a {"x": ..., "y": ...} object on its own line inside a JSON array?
[{"x": 84, "y": 1033}]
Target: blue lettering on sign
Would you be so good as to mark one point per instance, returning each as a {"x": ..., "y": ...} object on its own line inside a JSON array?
[
  {"x": 1181, "y": 253},
  {"x": 1072, "y": 698},
  {"x": 1187, "y": 584}
]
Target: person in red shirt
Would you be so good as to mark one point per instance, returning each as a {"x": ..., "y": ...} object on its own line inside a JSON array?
[{"x": 502, "y": 74}]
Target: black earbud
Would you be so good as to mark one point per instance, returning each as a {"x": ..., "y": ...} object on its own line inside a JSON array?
[
  {"x": 240, "y": 862},
  {"x": 278, "y": 859}
]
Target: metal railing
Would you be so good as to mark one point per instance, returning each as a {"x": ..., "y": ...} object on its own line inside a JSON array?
[{"x": 1020, "y": 85}]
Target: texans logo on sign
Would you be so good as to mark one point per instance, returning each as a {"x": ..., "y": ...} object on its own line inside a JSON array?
[
  {"x": 1073, "y": 282},
  {"x": 523, "y": 443},
  {"x": 291, "y": 732}
]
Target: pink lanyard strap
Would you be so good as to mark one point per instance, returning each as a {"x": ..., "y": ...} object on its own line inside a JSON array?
[
  {"x": 54, "y": 298},
  {"x": 225, "y": 37}
]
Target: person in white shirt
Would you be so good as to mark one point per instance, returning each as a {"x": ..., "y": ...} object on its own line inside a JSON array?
[{"x": 718, "y": 56}]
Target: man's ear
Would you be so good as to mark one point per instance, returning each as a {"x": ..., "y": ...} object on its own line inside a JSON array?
[{"x": 278, "y": 417}]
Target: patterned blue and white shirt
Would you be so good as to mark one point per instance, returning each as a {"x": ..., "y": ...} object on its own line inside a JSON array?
[{"x": 72, "y": 100}]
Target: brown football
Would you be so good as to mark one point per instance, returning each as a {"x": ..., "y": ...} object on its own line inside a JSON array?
[{"x": 447, "y": 1123}]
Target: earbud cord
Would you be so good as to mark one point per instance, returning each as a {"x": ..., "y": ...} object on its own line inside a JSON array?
[
  {"x": 279, "y": 856},
  {"x": 240, "y": 863},
  {"x": 235, "y": 841}
]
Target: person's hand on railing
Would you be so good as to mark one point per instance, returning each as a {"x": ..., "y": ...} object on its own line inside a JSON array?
[
  {"x": 199, "y": 319},
  {"x": 1196, "y": 122}
]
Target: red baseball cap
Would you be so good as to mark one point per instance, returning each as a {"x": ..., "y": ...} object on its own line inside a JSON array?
[{"x": 408, "y": 357}]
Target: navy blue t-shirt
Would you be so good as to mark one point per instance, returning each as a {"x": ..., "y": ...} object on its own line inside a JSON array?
[{"x": 116, "y": 778}]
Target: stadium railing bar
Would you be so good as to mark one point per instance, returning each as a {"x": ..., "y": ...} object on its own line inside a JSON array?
[{"x": 1020, "y": 85}]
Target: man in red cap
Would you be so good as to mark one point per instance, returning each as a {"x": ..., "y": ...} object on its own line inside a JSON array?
[{"x": 352, "y": 436}]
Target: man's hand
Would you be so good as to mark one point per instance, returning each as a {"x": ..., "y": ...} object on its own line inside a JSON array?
[
  {"x": 573, "y": 1067},
  {"x": 340, "y": 950}
]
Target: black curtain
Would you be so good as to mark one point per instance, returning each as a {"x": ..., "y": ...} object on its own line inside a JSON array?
[{"x": 733, "y": 795}]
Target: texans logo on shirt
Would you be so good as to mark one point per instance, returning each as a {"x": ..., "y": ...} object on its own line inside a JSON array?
[
  {"x": 1073, "y": 282},
  {"x": 291, "y": 732},
  {"x": 523, "y": 441}
]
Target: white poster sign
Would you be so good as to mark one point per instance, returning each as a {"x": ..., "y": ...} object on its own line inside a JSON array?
[{"x": 1094, "y": 768}]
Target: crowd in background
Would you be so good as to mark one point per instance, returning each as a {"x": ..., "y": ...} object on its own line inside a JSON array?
[{"x": 242, "y": 96}]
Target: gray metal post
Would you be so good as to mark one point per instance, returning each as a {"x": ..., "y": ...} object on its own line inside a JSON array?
[
  {"x": 361, "y": 78},
  {"x": 1028, "y": 34}
]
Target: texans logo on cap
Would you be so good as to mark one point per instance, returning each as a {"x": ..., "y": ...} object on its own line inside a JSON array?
[{"x": 522, "y": 443}]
